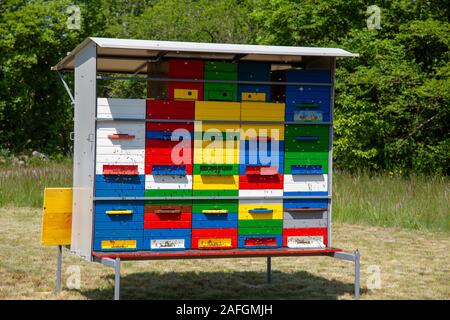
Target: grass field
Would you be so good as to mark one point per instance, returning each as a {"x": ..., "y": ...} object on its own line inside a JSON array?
[
  {"x": 418, "y": 203},
  {"x": 413, "y": 265},
  {"x": 23, "y": 186},
  {"x": 401, "y": 227}
]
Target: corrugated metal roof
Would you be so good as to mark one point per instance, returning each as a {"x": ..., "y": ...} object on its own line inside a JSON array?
[{"x": 126, "y": 55}]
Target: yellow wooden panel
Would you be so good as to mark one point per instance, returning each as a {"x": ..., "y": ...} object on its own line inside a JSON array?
[
  {"x": 253, "y": 96},
  {"x": 244, "y": 213},
  {"x": 185, "y": 94},
  {"x": 57, "y": 217},
  {"x": 217, "y": 110},
  {"x": 264, "y": 111},
  {"x": 216, "y": 152},
  {"x": 56, "y": 229},
  {"x": 57, "y": 200},
  {"x": 119, "y": 212},
  {"x": 215, "y": 182},
  {"x": 214, "y": 242},
  {"x": 118, "y": 244},
  {"x": 254, "y": 130}
]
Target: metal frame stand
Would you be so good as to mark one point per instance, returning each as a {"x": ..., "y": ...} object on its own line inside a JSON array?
[
  {"x": 269, "y": 269},
  {"x": 113, "y": 263},
  {"x": 355, "y": 258},
  {"x": 58, "y": 270}
]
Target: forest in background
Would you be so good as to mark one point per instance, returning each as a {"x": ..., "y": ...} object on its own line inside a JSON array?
[{"x": 392, "y": 108}]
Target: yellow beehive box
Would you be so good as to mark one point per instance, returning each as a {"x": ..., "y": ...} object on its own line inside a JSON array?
[
  {"x": 257, "y": 211},
  {"x": 217, "y": 110},
  {"x": 216, "y": 152},
  {"x": 264, "y": 111},
  {"x": 201, "y": 182}
]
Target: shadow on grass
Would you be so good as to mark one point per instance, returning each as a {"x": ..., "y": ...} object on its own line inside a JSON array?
[{"x": 223, "y": 285}]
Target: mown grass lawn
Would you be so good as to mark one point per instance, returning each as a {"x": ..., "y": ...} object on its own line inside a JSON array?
[
  {"x": 400, "y": 225},
  {"x": 412, "y": 264}
]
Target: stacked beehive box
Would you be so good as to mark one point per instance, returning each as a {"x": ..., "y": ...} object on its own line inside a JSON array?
[
  {"x": 120, "y": 163},
  {"x": 216, "y": 160},
  {"x": 169, "y": 169},
  {"x": 306, "y": 158},
  {"x": 261, "y": 168},
  {"x": 221, "y": 164}
]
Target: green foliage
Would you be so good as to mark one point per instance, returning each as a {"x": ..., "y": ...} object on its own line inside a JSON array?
[
  {"x": 392, "y": 103},
  {"x": 223, "y": 21},
  {"x": 34, "y": 112}
]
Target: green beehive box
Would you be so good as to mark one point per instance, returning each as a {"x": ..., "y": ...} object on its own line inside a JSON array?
[
  {"x": 266, "y": 223},
  {"x": 211, "y": 66},
  {"x": 260, "y": 231},
  {"x": 215, "y": 70},
  {"x": 293, "y": 158},
  {"x": 293, "y": 130},
  {"x": 220, "y": 92},
  {"x": 219, "y": 75},
  {"x": 306, "y": 138}
]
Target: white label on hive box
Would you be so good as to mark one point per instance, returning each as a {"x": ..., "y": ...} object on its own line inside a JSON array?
[
  {"x": 305, "y": 242},
  {"x": 167, "y": 244},
  {"x": 306, "y": 182},
  {"x": 308, "y": 115}
]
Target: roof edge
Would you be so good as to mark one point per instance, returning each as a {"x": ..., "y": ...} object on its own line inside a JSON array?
[
  {"x": 196, "y": 47},
  {"x": 71, "y": 55}
]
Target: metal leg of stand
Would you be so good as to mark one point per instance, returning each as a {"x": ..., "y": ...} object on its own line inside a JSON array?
[
  {"x": 117, "y": 280},
  {"x": 58, "y": 269},
  {"x": 112, "y": 263},
  {"x": 355, "y": 258},
  {"x": 357, "y": 274},
  {"x": 269, "y": 269}
]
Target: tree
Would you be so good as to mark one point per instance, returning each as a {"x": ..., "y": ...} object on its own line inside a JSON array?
[
  {"x": 392, "y": 103},
  {"x": 34, "y": 111}
]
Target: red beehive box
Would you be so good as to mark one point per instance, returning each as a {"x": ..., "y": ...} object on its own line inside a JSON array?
[
  {"x": 186, "y": 69},
  {"x": 167, "y": 224},
  {"x": 167, "y": 216},
  {"x": 166, "y": 109},
  {"x": 305, "y": 232},
  {"x": 258, "y": 182},
  {"x": 214, "y": 238},
  {"x": 159, "y": 152}
]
